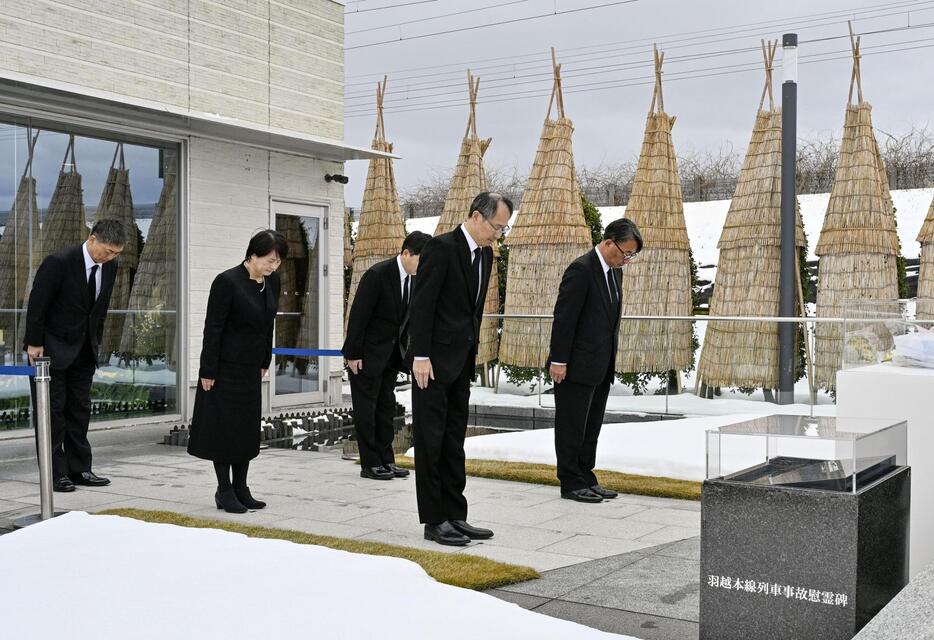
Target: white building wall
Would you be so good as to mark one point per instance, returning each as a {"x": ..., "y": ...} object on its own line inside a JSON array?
[
  {"x": 230, "y": 189},
  {"x": 269, "y": 63},
  {"x": 276, "y": 63}
]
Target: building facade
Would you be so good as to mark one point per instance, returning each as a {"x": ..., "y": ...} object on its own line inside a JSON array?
[{"x": 197, "y": 122}]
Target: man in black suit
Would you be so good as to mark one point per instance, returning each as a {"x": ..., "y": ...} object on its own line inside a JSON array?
[
  {"x": 373, "y": 349},
  {"x": 584, "y": 338},
  {"x": 65, "y": 321},
  {"x": 444, "y": 330}
]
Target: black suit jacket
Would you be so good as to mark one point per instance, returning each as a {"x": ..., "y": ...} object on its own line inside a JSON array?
[
  {"x": 57, "y": 315},
  {"x": 238, "y": 324},
  {"x": 585, "y": 330},
  {"x": 375, "y": 319},
  {"x": 444, "y": 316}
]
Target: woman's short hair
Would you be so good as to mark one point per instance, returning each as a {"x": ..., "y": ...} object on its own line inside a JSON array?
[{"x": 266, "y": 242}]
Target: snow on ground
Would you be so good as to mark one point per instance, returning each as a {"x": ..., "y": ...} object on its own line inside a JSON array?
[
  {"x": 129, "y": 579},
  {"x": 705, "y": 220},
  {"x": 670, "y": 448}
]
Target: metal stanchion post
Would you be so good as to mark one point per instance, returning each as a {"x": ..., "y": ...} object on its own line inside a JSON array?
[
  {"x": 44, "y": 436},
  {"x": 44, "y": 440}
]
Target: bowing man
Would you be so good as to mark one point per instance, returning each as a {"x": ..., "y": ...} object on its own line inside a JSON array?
[
  {"x": 584, "y": 339},
  {"x": 373, "y": 348},
  {"x": 444, "y": 330}
]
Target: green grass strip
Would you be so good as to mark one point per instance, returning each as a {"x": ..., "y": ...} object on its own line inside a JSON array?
[
  {"x": 459, "y": 570},
  {"x": 655, "y": 486}
]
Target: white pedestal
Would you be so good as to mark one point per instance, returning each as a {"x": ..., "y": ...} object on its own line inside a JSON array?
[{"x": 887, "y": 391}]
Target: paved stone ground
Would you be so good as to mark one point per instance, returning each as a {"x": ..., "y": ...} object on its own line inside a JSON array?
[
  {"x": 628, "y": 565},
  {"x": 650, "y": 594}
]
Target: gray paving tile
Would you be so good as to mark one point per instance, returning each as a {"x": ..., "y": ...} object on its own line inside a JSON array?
[
  {"x": 637, "y": 625},
  {"x": 595, "y": 546},
  {"x": 506, "y": 497},
  {"x": 322, "y": 510},
  {"x": 519, "y": 537},
  {"x": 687, "y": 549},
  {"x": 80, "y": 500},
  {"x": 524, "y": 601},
  {"x": 390, "y": 519},
  {"x": 414, "y": 539},
  {"x": 510, "y": 514},
  {"x": 12, "y": 489},
  {"x": 657, "y": 585},
  {"x": 13, "y": 505},
  {"x": 557, "y": 582},
  {"x": 403, "y": 500},
  {"x": 625, "y": 528},
  {"x": 538, "y": 560},
  {"x": 320, "y": 528},
  {"x": 669, "y": 517},
  {"x": 668, "y": 503},
  {"x": 670, "y": 534}
]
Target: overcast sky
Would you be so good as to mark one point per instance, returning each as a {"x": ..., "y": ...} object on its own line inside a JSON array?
[{"x": 606, "y": 56}]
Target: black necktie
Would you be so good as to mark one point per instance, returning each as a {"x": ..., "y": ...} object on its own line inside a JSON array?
[
  {"x": 611, "y": 282},
  {"x": 405, "y": 295},
  {"x": 477, "y": 270},
  {"x": 92, "y": 287}
]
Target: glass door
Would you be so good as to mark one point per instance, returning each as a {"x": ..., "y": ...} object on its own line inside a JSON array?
[{"x": 300, "y": 379}]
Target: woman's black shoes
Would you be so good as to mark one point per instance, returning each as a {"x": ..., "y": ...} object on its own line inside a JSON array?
[
  {"x": 247, "y": 500},
  {"x": 227, "y": 500}
]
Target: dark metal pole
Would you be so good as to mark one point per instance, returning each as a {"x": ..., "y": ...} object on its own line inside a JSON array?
[{"x": 787, "y": 349}]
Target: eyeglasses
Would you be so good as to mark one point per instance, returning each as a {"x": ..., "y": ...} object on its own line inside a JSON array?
[
  {"x": 628, "y": 256},
  {"x": 498, "y": 228}
]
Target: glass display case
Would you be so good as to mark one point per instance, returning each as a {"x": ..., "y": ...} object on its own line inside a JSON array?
[
  {"x": 832, "y": 454},
  {"x": 897, "y": 331}
]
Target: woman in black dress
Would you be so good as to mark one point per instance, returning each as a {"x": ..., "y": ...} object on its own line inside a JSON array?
[{"x": 235, "y": 355}]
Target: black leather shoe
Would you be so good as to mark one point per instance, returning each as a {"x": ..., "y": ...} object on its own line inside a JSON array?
[
  {"x": 63, "y": 484},
  {"x": 582, "y": 495},
  {"x": 606, "y": 494},
  {"x": 446, "y": 534},
  {"x": 474, "y": 533},
  {"x": 376, "y": 473},
  {"x": 246, "y": 498},
  {"x": 227, "y": 500},
  {"x": 89, "y": 479},
  {"x": 397, "y": 471}
]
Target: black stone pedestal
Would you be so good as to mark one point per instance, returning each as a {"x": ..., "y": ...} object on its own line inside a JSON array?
[{"x": 791, "y": 563}]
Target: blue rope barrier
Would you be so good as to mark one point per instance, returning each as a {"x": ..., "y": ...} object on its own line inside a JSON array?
[
  {"x": 14, "y": 370},
  {"x": 307, "y": 352}
]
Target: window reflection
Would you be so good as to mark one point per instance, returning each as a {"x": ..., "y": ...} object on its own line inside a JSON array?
[
  {"x": 297, "y": 321},
  {"x": 54, "y": 184}
]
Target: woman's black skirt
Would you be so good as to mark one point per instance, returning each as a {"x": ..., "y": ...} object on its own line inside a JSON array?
[{"x": 226, "y": 420}]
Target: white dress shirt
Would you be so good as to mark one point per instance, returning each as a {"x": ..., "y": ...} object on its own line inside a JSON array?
[
  {"x": 402, "y": 276},
  {"x": 606, "y": 269},
  {"x": 88, "y": 264}
]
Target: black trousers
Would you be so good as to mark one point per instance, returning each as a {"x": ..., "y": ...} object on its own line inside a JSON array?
[
  {"x": 70, "y": 410},
  {"x": 579, "y": 410},
  {"x": 439, "y": 420},
  {"x": 374, "y": 403}
]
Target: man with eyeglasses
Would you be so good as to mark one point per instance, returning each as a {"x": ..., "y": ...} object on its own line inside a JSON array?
[
  {"x": 65, "y": 322},
  {"x": 582, "y": 358},
  {"x": 444, "y": 331}
]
